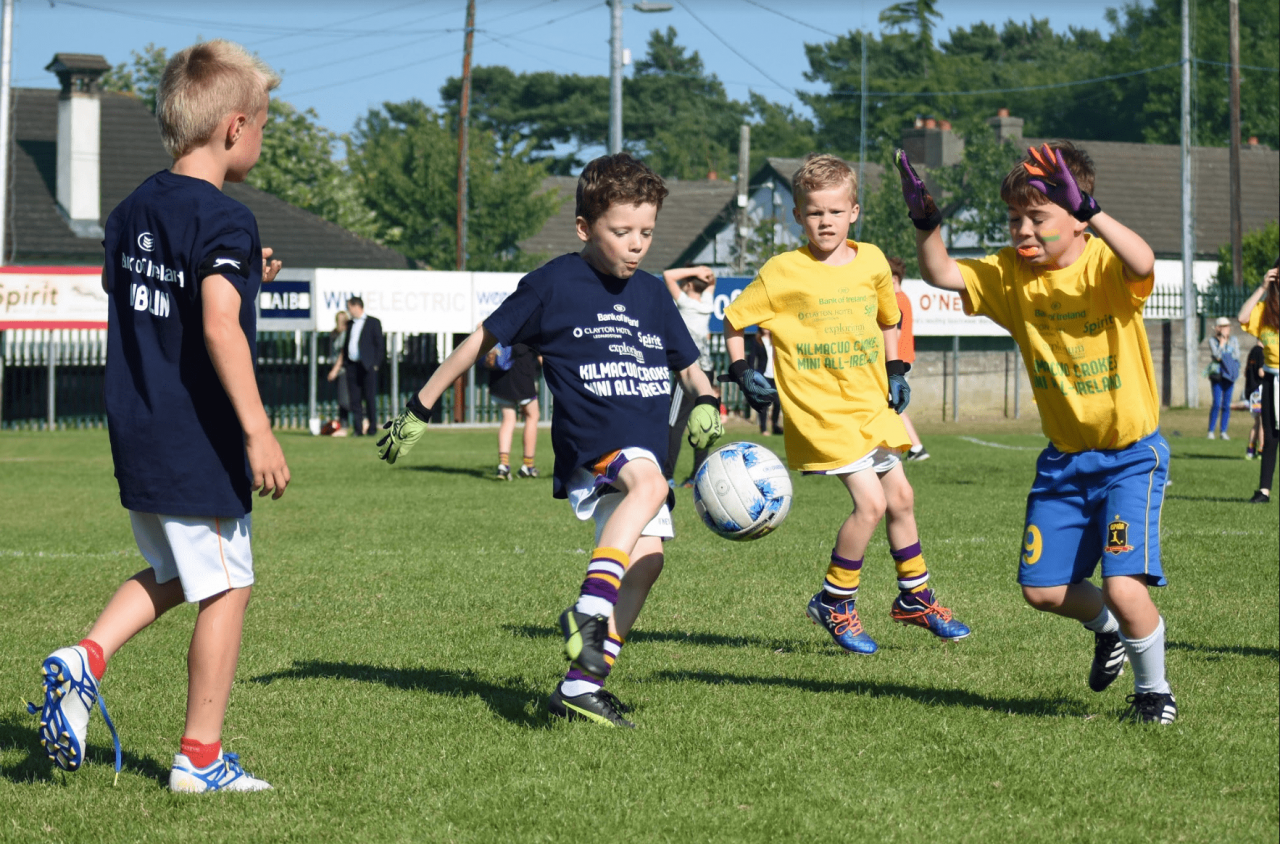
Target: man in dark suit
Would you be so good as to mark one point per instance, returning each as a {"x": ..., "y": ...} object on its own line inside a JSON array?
[{"x": 363, "y": 348}]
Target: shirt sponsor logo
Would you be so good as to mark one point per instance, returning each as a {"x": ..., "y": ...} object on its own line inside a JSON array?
[
  {"x": 602, "y": 332},
  {"x": 622, "y": 309},
  {"x": 628, "y": 351},
  {"x": 650, "y": 341},
  {"x": 226, "y": 262},
  {"x": 147, "y": 242},
  {"x": 147, "y": 268},
  {"x": 634, "y": 323}
]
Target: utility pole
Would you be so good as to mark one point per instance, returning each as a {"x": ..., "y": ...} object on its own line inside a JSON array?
[
  {"x": 1237, "y": 233},
  {"x": 615, "y": 78},
  {"x": 1190, "y": 348},
  {"x": 744, "y": 219},
  {"x": 464, "y": 107},
  {"x": 862, "y": 129},
  {"x": 6, "y": 62}
]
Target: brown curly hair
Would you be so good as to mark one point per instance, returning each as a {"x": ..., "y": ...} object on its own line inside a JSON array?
[
  {"x": 617, "y": 180},
  {"x": 1018, "y": 193}
]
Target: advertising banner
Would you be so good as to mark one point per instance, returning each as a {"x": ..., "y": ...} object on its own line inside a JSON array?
[
  {"x": 52, "y": 297},
  {"x": 286, "y": 303},
  {"x": 411, "y": 301}
]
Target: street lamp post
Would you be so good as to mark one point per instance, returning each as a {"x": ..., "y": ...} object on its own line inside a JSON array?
[{"x": 615, "y": 67}]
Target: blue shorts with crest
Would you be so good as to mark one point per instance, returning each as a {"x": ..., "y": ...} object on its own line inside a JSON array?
[{"x": 1095, "y": 505}]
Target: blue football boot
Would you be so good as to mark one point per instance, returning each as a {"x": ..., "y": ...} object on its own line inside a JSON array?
[
  {"x": 919, "y": 610},
  {"x": 842, "y": 622}
]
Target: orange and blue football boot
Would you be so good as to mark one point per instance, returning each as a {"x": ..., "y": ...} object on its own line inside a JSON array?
[
  {"x": 922, "y": 610},
  {"x": 841, "y": 621}
]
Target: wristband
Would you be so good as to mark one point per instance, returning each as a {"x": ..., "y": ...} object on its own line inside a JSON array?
[
  {"x": 418, "y": 409},
  {"x": 929, "y": 223},
  {"x": 737, "y": 369},
  {"x": 711, "y": 400},
  {"x": 895, "y": 367}
]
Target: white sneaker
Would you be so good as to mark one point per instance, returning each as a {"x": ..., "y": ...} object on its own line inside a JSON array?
[
  {"x": 1211, "y": 436},
  {"x": 1225, "y": 436},
  {"x": 223, "y": 774}
]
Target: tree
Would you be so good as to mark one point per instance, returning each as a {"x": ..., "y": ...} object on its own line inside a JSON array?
[
  {"x": 971, "y": 190},
  {"x": 885, "y": 222},
  {"x": 141, "y": 77},
  {"x": 1260, "y": 248},
  {"x": 404, "y": 159}
]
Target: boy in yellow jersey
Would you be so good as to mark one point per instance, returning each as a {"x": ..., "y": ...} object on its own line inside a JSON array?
[
  {"x": 1073, "y": 302},
  {"x": 831, "y": 309},
  {"x": 1260, "y": 316}
]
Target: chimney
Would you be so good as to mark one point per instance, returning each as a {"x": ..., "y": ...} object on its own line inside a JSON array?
[
  {"x": 932, "y": 144},
  {"x": 1006, "y": 128},
  {"x": 79, "y": 148}
]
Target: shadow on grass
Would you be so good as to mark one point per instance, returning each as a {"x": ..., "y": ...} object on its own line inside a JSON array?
[
  {"x": 1216, "y": 499},
  {"x": 1234, "y": 457},
  {"x": 509, "y": 700},
  {"x": 1226, "y": 650},
  {"x": 20, "y": 733},
  {"x": 534, "y": 631},
  {"x": 1041, "y": 707},
  {"x": 454, "y": 470}
]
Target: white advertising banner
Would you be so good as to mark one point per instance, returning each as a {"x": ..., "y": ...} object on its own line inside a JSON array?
[
  {"x": 940, "y": 313},
  {"x": 491, "y": 289},
  {"x": 52, "y": 297},
  {"x": 411, "y": 301}
]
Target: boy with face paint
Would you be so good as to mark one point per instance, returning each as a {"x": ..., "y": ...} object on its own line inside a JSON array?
[{"x": 1073, "y": 302}]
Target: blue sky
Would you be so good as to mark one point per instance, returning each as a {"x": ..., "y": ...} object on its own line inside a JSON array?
[{"x": 343, "y": 58}]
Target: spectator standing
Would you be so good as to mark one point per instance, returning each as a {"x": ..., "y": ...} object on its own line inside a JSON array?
[
  {"x": 694, "y": 292},
  {"x": 363, "y": 349},
  {"x": 1260, "y": 316},
  {"x": 906, "y": 351},
  {"x": 762, "y": 362},
  {"x": 340, "y": 322},
  {"x": 1253, "y": 374},
  {"x": 1224, "y": 368}
]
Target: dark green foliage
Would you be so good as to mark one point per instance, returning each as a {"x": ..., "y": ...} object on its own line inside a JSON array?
[{"x": 1260, "y": 250}]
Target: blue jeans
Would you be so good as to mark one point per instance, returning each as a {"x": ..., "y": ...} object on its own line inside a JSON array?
[{"x": 1221, "y": 401}]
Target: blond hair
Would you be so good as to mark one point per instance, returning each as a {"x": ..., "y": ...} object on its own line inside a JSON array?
[
  {"x": 821, "y": 171},
  {"x": 202, "y": 85}
]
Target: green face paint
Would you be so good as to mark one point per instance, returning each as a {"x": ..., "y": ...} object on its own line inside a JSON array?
[{"x": 1050, "y": 237}]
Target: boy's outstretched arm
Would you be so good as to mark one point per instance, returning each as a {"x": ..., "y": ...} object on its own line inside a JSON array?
[
  {"x": 229, "y": 352},
  {"x": 757, "y": 390},
  {"x": 405, "y": 430},
  {"x": 936, "y": 265}
]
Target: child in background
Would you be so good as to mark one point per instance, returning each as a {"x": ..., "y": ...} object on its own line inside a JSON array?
[
  {"x": 834, "y": 320},
  {"x": 189, "y": 436},
  {"x": 906, "y": 350},
  {"x": 1260, "y": 316},
  {"x": 1253, "y": 375},
  {"x": 610, "y": 337},
  {"x": 513, "y": 385},
  {"x": 762, "y": 362},
  {"x": 1073, "y": 303}
]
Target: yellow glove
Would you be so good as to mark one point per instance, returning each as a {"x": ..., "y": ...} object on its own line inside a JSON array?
[
  {"x": 404, "y": 431},
  {"x": 704, "y": 426}
]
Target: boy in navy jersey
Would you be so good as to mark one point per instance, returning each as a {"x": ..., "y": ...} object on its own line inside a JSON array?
[
  {"x": 189, "y": 436},
  {"x": 610, "y": 336}
]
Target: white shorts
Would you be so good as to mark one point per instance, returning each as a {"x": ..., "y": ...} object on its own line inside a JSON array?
[
  {"x": 208, "y": 555},
  {"x": 592, "y": 497},
  {"x": 880, "y": 459},
  {"x": 511, "y": 404}
]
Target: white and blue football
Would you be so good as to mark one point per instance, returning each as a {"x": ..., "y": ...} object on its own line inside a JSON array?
[{"x": 742, "y": 491}]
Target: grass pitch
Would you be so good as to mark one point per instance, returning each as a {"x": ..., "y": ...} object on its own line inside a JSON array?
[{"x": 402, "y": 640}]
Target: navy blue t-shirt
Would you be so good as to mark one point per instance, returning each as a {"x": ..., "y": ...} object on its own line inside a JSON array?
[
  {"x": 175, "y": 438},
  {"x": 608, "y": 347}
]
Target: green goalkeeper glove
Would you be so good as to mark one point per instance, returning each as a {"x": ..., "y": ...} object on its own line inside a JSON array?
[
  {"x": 704, "y": 426},
  {"x": 404, "y": 431}
]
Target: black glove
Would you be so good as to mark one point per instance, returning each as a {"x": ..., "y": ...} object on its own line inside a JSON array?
[{"x": 754, "y": 386}]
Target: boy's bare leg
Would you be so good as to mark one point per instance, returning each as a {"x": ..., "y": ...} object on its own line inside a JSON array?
[
  {"x": 211, "y": 662},
  {"x": 911, "y": 430},
  {"x": 1081, "y": 601},
  {"x": 1128, "y": 598},
  {"x": 506, "y": 429},
  {"x": 531, "y": 428},
  {"x": 900, "y": 506},
  {"x": 644, "y": 492},
  {"x": 869, "y": 507},
  {"x": 645, "y": 568},
  {"x": 138, "y": 602}
]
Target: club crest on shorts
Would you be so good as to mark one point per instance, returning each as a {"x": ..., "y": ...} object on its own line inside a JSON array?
[{"x": 1118, "y": 537}]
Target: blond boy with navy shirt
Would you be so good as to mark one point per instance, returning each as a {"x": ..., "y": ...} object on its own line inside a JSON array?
[
  {"x": 831, "y": 309},
  {"x": 1073, "y": 302},
  {"x": 609, "y": 337},
  {"x": 189, "y": 437}
]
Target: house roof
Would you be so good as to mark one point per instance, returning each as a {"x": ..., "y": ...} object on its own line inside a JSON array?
[
  {"x": 1141, "y": 186},
  {"x": 690, "y": 207},
  {"x": 130, "y": 152}
]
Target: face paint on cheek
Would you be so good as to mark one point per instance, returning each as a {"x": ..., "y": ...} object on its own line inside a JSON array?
[{"x": 1050, "y": 236}]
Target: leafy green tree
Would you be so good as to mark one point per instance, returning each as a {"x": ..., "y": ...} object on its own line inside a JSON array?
[
  {"x": 885, "y": 222},
  {"x": 404, "y": 159},
  {"x": 971, "y": 190},
  {"x": 140, "y": 76},
  {"x": 1259, "y": 250}
]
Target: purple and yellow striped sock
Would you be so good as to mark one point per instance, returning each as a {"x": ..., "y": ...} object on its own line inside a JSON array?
[
  {"x": 842, "y": 578},
  {"x": 913, "y": 575},
  {"x": 578, "y": 682},
  {"x": 604, "y": 575}
]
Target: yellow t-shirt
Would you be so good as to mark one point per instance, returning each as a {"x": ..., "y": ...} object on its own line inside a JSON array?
[
  {"x": 1082, "y": 340},
  {"x": 828, "y": 352},
  {"x": 1267, "y": 335}
]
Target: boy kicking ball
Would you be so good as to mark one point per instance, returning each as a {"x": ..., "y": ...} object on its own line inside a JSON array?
[
  {"x": 1073, "y": 302},
  {"x": 189, "y": 436},
  {"x": 834, "y": 317},
  {"x": 609, "y": 336}
]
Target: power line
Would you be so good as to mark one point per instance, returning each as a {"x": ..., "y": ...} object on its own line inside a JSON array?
[
  {"x": 731, "y": 48},
  {"x": 826, "y": 32},
  {"x": 1044, "y": 87},
  {"x": 350, "y": 20}
]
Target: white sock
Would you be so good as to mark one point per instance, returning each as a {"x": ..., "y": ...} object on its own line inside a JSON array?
[
  {"x": 916, "y": 449},
  {"x": 1104, "y": 623},
  {"x": 573, "y": 688},
  {"x": 1146, "y": 657},
  {"x": 593, "y": 605}
]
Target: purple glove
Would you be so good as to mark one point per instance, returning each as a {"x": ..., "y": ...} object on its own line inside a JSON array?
[
  {"x": 921, "y": 208},
  {"x": 1056, "y": 182}
]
